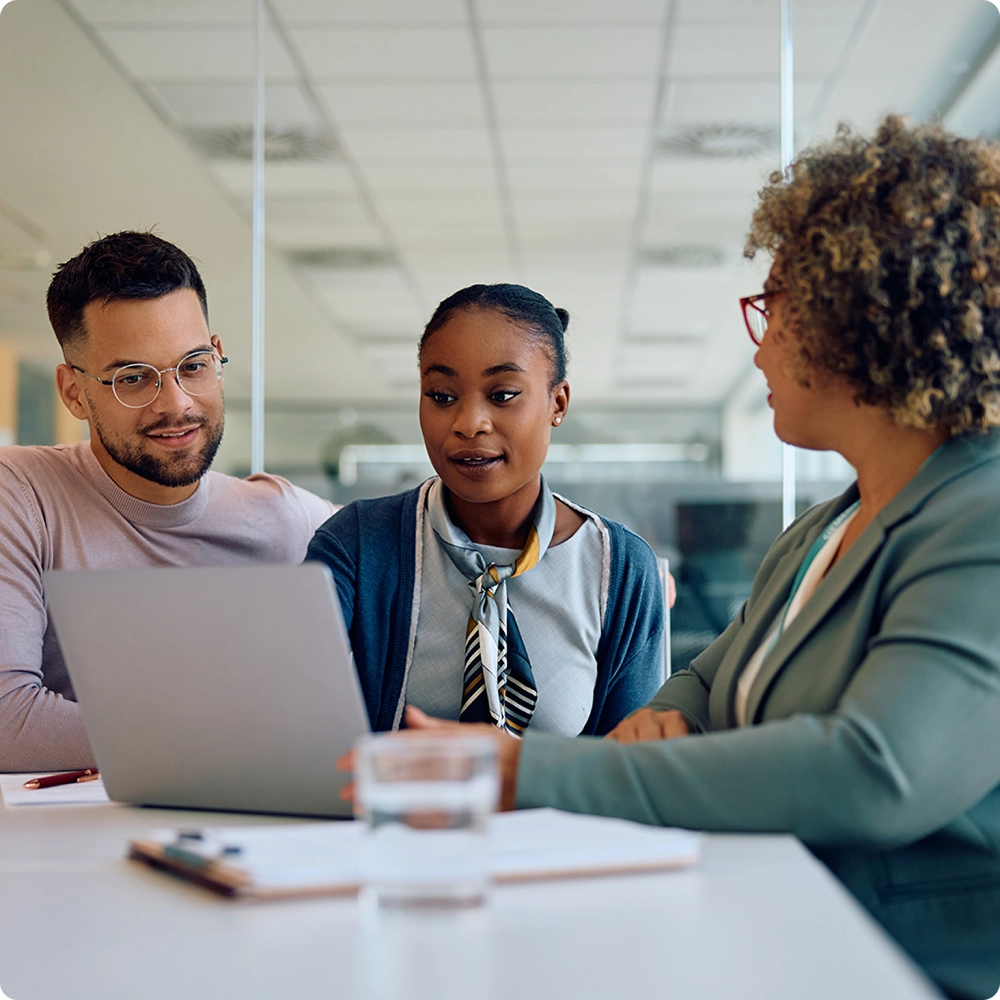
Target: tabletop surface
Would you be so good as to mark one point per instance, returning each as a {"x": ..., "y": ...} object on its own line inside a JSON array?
[{"x": 759, "y": 917}]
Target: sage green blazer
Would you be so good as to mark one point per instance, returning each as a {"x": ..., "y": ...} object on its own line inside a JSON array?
[{"x": 875, "y": 734}]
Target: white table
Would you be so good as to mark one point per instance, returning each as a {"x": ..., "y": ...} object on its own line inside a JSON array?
[{"x": 758, "y": 918}]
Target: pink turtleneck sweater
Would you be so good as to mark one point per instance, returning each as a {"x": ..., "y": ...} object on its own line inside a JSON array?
[{"x": 60, "y": 510}]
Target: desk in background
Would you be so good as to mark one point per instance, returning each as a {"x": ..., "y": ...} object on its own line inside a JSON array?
[{"x": 758, "y": 918}]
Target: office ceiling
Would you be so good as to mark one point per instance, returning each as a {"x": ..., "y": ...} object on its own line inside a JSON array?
[{"x": 604, "y": 152}]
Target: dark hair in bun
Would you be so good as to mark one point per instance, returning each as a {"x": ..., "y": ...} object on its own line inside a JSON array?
[{"x": 519, "y": 304}]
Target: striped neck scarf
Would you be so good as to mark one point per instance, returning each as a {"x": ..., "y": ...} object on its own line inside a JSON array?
[{"x": 493, "y": 690}]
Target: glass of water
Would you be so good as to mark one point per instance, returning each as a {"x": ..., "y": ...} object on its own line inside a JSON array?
[{"x": 426, "y": 800}]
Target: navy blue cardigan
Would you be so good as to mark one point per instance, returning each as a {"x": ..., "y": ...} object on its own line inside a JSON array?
[{"x": 370, "y": 546}]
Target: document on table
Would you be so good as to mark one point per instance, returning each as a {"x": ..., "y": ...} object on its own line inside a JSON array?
[
  {"x": 83, "y": 793},
  {"x": 326, "y": 858}
]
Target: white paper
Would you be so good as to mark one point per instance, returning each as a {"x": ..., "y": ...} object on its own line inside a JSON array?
[
  {"x": 531, "y": 843},
  {"x": 75, "y": 794}
]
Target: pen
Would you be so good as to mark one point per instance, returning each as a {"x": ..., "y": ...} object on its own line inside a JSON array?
[{"x": 67, "y": 778}]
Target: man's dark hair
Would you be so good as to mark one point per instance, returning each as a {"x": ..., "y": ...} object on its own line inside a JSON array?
[
  {"x": 520, "y": 305},
  {"x": 125, "y": 265}
]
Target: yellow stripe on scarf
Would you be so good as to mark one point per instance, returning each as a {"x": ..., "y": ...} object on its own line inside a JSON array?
[{"x": 529, "y": 554}]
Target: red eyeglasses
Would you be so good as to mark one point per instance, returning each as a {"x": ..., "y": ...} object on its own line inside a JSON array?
[{"x": 755, "y": 315}]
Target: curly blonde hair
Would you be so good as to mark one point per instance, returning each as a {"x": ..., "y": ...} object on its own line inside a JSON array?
[{"x": 889, "y": 250}]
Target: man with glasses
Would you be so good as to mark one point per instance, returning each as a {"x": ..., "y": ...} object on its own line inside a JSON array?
[{"x": 142, "y": 368}]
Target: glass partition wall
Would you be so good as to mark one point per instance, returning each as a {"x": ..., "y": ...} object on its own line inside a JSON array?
[{"x": 606, "y": 154}]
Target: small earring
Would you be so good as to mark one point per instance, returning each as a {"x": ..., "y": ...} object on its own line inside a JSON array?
[{"x": 557, "y": 421}]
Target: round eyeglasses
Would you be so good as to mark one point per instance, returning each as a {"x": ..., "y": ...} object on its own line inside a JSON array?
[
  {"x": 137, "y": 385},
  {"x": 755, "y": 315}
]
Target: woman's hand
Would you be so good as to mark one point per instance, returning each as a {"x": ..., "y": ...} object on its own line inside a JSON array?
[
  {"x": 647, "y": 725},
  {"x": 421, "y": 724}
]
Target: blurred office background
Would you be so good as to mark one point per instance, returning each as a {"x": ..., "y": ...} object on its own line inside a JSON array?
[{"x": 604, "y": 152}]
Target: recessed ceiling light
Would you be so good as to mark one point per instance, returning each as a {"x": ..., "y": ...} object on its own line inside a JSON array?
[
  {"x": 343, "y": 258},
  {"x": 288, "y": 145},
  {"x": 718, "y": 141},
  {"x": 684, "y": 256}
]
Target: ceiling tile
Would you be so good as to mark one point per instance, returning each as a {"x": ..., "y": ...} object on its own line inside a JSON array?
[
  {"x": 756, "y": 101},
  {"x": 536, "y": 234},
  {"x": 682, "y": 176},
  {"x": 407, "y": 145},
  {"x": 316, "y": 235},
  {"x": 570, "y": 11},
  {"x": 174, "y": 12},
  {"x": 698, "y": 219},
  {"x": 416, "y": 179},
  {"x": 386, "y": 53},
  {"x": 654, "y": 360},
  {"x": 680, "y": 300},
  {"x": 570, "y": 210},
  {"x": 195, "y": 53},
  {"x": 415, "y": 103},
  {"x": 572, "y": 51},
  {"x": 766, "y": 10},
  {"x": 707, "y": 49},
  {"x": 574, "y": 178},
  {"x": 287, "y": 179},
  {"x": 578, "y": 261},
  {"x": 441, "y": 213},
  {"x": 316, "y": 212},
  {"x": 488, "y": 240},
  {"x": 570, "y": 145},
  {"x": 581, "y": 101},
  {"x": 370, "y": 11},
  {"x": 224, "y": 104}
]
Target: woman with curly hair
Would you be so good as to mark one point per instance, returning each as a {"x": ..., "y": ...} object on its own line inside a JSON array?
[{"x": 855, "y": 699}]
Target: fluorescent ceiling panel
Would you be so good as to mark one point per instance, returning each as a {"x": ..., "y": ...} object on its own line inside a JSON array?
[
  {"x": 370, "y": 11},
  {"x": 582, "y": 102},
  {"x": 415, "y": 103},
  {"x": 231, "y": 104},
  {"x": 175, "y": 12},
  {"x": 570, "y": 145},
  {"x": 571, "y": 51},
  {"x": 430, "y": 145},
  {"x": 386, "y": 53},
  {"x": 690, "y": 102},
  {"x": 711, "y": 49},
  {"x": 195, "y": 53},
  {"x": 287, "y": 178},
  {"x": 570, "y": 11}
]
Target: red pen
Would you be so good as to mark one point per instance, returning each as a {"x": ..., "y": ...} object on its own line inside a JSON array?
[{"x": 67, "y": 778}]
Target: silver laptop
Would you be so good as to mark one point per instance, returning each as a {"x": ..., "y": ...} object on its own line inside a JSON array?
[{"x": 212, "y": 688}]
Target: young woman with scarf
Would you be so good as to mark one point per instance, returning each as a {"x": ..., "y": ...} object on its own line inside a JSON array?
[{"x": 481, "y": 596}]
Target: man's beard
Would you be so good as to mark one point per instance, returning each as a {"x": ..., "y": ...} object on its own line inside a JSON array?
[{"x": 182, "y": 470}]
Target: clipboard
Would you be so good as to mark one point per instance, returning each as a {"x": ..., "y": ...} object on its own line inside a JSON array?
[{"x": 302, "y": 860}]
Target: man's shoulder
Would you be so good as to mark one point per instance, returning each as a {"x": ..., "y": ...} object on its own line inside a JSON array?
[
  {"x": 38, "y": 464},
  {"x": 268, "y": 492}
]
